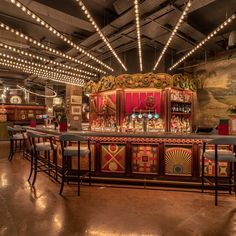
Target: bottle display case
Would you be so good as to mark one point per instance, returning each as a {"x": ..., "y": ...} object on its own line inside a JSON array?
[{"x": 141, "y": 103}]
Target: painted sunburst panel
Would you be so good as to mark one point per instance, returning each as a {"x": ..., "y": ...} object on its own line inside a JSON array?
[
  {"x": 178, "y": 160},
  {"x": 113, "y": 158},
  {"x": 144, "y": 159}
]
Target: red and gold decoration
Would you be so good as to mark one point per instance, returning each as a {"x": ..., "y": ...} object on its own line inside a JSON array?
[
  {"x": 178, "y": 160},
  {"x": 144, "y": 159},
  {"x": 113, "y": 158},
  {"x": 134, "y": 81}
]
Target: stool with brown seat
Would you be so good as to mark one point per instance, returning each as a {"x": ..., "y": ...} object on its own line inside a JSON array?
[
  {"x": 69, "y": 151},
  {"x": 220, "y": 156}
]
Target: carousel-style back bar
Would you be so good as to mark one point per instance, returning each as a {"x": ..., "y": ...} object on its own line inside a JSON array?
[{"x": 141, "y": 130}]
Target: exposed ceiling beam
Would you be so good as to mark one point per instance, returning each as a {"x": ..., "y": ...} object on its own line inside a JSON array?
[{"x": 60, "y": 16}]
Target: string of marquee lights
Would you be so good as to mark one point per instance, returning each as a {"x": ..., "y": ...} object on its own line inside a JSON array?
[
  {"x": 38, "y": 94},
  {"x": 102, "y": 36},
  {"x": 16, "y": 50},
  {"x": 173, "y": 33},
  {"x": 136, "y": 11},
  {"x": 42, "y": 73},
  {"x": 43, "y": 66},
  {"x": 31, "y": 55},
  {"x": 49, "y": 27},
  {"x": 49, "y": 49},
  {"x": 208, "y": 37}
]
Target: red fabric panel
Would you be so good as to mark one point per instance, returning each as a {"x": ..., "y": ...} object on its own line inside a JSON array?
[
  {"x": 142, "y": 100},
  {"x": 158, "y": 102},
  {"x": 128, "y": 103},
  {"x": 135, "y": 101}
]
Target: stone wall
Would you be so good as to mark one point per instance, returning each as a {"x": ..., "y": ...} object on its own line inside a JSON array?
[{"x": 216, "y": 92}]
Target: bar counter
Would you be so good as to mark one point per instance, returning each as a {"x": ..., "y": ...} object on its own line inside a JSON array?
[{"x": 149, "y": 158}]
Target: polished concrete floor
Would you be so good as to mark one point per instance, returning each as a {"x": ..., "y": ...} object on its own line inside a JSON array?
[{"x": 105, "y": 211}]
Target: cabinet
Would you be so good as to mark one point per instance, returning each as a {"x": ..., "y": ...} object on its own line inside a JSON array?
[
  {"x": 179, "y": 106},
  {"x": 22, "y": 114}
]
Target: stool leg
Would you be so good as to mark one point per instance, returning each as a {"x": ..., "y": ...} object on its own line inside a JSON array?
[
  {"x": 63, "y": 173},
  {"x": 235, "y": 178},
  {"x": 230, "y": 176},
  {"x": 31, "y": 165},
  {"x": 55, "y": 163},
  {"x": 11, "y": 150},
  {"x": 89, "y": 168},
  {"x": 35, "y": 167},
  {"x": 216, "y": 176},
  {"x": 49, "y": 164},
  {"x": 78, "y": 175}
]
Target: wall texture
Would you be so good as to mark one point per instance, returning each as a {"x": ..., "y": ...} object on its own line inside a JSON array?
[{"x": 217, "y": 91}]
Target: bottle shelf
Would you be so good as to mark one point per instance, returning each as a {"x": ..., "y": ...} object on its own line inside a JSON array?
[
  {"x": 181, "y": 113},
  {"x": 180, "y": 102}
]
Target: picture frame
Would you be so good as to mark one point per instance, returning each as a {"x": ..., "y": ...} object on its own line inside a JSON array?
[
  {"x": 76, "y": 110},
  {"x": 76, "y": 99}
]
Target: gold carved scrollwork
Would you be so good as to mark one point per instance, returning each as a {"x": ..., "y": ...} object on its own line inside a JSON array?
[{"x": 148, "y": 80}]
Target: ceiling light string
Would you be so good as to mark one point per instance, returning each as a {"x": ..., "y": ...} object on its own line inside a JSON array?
[
  {"x": 43, "y": 59},
  {"x": 173, "y": 34},
  {"x": 42, "y": 73},
  {"x": 47, "y": 26},
  {"x": 101, "y": 34},
  {"x": 47, "y": 48},
  {"x": 203, "y": 42},
  {"x": 137, "y": 19},
  {"x": 43, "y": 66},
  {"x": 40, "y": 69}
]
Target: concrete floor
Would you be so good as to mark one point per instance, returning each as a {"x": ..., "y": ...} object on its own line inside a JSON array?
[{"x": 105, "y": 211}]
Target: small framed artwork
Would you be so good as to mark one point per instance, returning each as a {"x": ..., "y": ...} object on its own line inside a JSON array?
[
  {"x": 76, "y": 99},
  {"x": 76, "y": 110}
]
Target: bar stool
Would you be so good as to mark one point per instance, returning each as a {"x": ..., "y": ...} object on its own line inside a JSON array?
[
  {"x": 17, "y": 140},
  {"x": 69, "y": 151},
  {"x": 220, "y": 156},
  {"x": 38, "y": 163}
]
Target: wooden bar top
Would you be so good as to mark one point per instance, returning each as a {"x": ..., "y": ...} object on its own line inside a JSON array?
[{"x": 132, "y": 134}]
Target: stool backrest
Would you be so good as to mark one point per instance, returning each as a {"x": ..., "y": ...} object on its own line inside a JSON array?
[
  {"x": 36, "y": 135},
  {"x": 66, "y": 139},
  {"x": 223, "y": 140}
]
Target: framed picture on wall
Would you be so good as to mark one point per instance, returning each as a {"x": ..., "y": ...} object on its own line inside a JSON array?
[
  {"x": 76, "y": 110},
  {"x": 76, "y": 99}
]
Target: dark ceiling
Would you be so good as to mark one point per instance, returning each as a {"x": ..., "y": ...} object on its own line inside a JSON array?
[{"x": 117, "y": 21}]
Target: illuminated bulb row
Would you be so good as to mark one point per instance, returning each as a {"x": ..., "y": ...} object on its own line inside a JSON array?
[
  {"x": 56, "y": 32},
  {"x": 136, "y": 10},
  {"x": 42, "y": 73},
  {"x": 102, "y": 36},
  {"x": 208, "y": 37},
  {"x": 49, "y": 49},
  {"x": 173, "y": 34},
  {"x": 43, "y": 66},
  {"x": 40, "y": 69},
  {"x": 16, "y": 50}
]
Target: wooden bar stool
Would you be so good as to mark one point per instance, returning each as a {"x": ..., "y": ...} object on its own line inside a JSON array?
[
  {"x": 17, "y": 140},
  {"x": 40, "y": 142},
  {"x": 220, "y": 156},
  {"x": 69, "y": 151}
]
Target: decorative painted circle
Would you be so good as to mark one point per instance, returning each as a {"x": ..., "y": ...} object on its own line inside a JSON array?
[
  {"x": 178, "y": 169},
  {"x": 149, "y": 116},
  {"x": 113, "y": 148},
  {"x": 156, "y": 116},
  {"x": 113, "y": 166}
]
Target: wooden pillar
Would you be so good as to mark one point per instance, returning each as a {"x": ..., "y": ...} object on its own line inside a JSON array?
[{"x": 74, "y": 106}]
